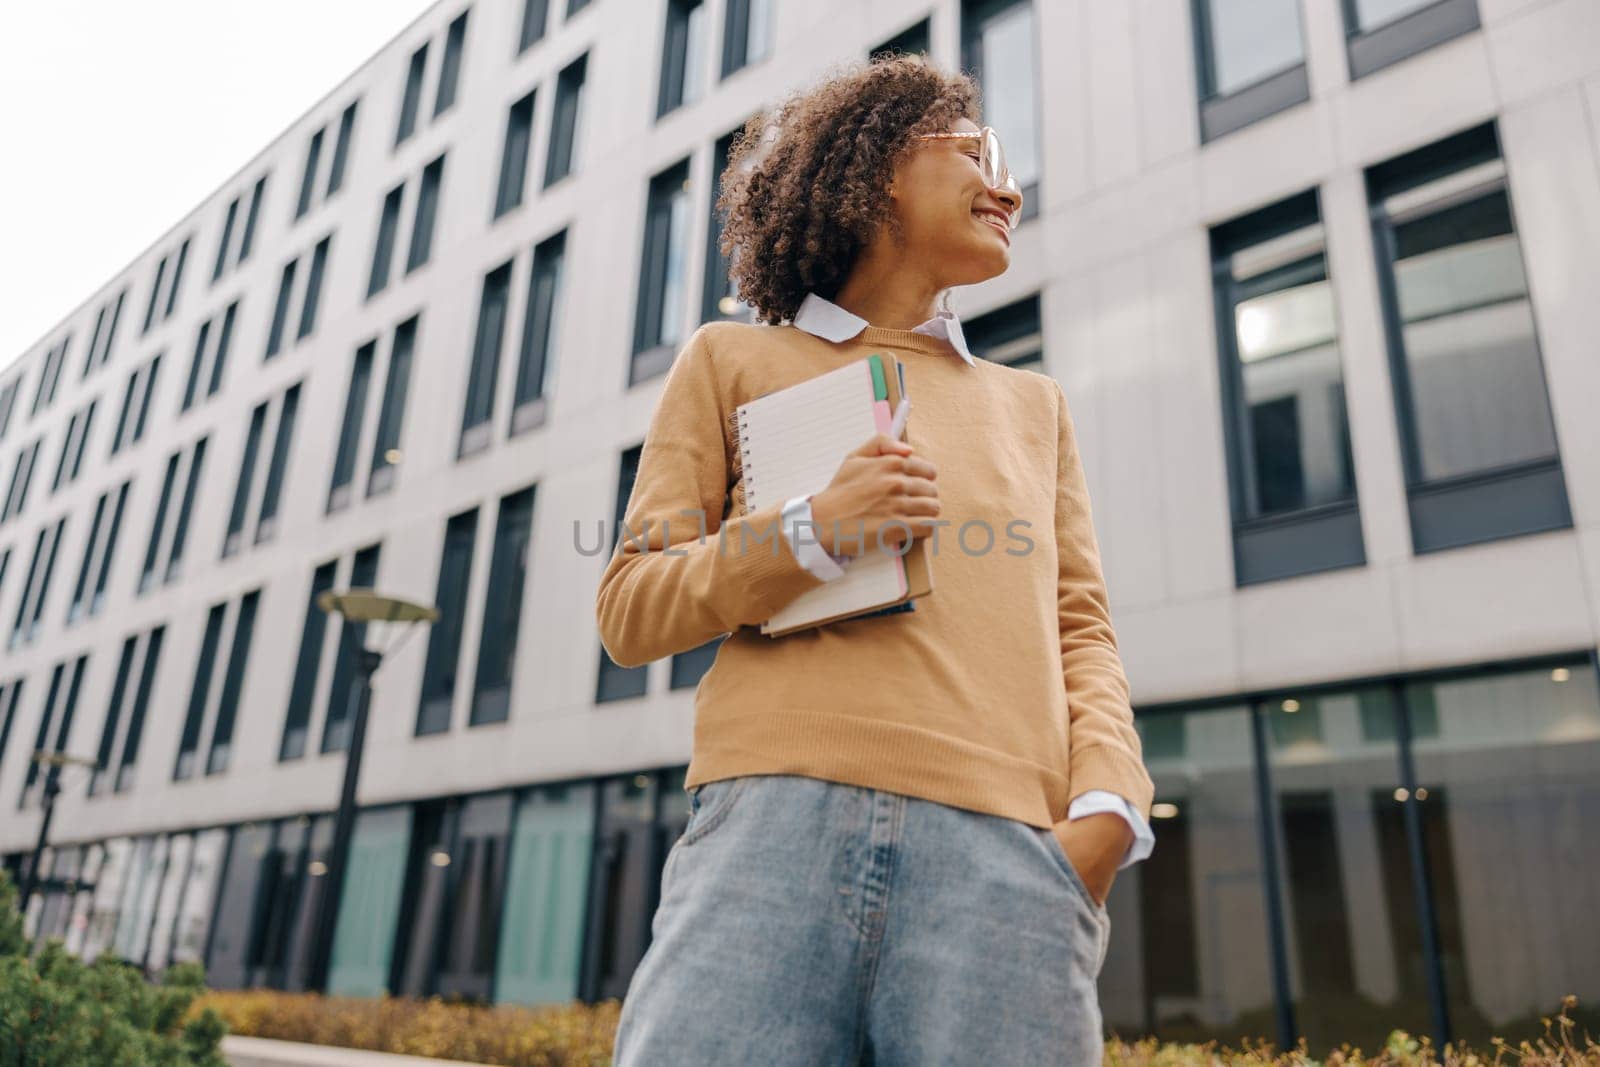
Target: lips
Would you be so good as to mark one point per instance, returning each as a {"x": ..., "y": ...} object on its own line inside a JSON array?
[{"x": 991, "y": 219}]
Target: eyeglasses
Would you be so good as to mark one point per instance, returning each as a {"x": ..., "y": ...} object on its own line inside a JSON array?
[{"x": 991, "y": 164}]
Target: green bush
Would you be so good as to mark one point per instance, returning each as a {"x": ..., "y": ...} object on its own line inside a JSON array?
[{"x": 55, "y": 1011}]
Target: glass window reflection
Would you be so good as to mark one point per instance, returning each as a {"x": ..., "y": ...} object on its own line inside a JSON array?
[
  {"x": 1249, "y": 40},
  {"x": 1189, "y": 960}
]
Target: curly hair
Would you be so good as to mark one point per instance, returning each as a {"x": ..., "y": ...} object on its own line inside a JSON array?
[{"x": 807, "y": 183}]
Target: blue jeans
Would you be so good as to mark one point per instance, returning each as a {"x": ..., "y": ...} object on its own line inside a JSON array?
[{"x": 814, "y": 923}]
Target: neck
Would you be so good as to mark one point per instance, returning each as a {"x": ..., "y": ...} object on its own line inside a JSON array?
[{"x": 882, "y": 290}]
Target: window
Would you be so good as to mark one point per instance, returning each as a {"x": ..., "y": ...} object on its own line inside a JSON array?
[
  {"x": 8, "y": 403},
  {"x": 383, "y": 249},
  {"x": 163, "y": 302},
  {"x": 99, "y": 598},
  {"x": 223, "y": 241},
  {"x": 308, "y": 178},
  {"x": 50, "y": 375},
  {"x": 355, "y": 411},
  {"x": 1285, "y": 429},
  {"x": 216, "y": 349},
  {"x": 514, "y": 156},
  {"x": 386, "y": 452},
  {"x": 683, "y": 55},
  {"x": 622, "y": 683},
  {"x": 21, "y": 479},
  {"x": 307, "y": 664},
  {"x": 455, "y": 42},
  {"x": 77, "y": 435},
  {"x": 180, "y": 531},
  {"x": 53, "y": 730},
  {"x": 444, "y": 636},
  {"x": 280, "y": 310},
  {"x": 1382, "y": 32},
  {"x": 427, "y": 212},
  {"x": 141, "y": 703},
  {"x": 155, "y": 295},
  {"x": 177, "y": 279},
  {"x": 341, "y": 148},
  {"x": 719, "y": 296},
  {"x": 308, "y": 307},
  {"x": 226, "y": 256},
  {"x": 266, "y": 522},
  {"x": 157, "y": 524},
  {"x": 502, "y": 609},
  {"x": 272, "y": 493},
  {"x": 1010, "y": 335},
  {"x": 135, "y": 405},
  {"x": 659, "y": 318},
  {"x": 1251, "y": 60},
  {"x": 36, "y": 586},
  {"x": 535, "y": 13},
  {"x": 411, "y": 103},
  {"x": 476, "y": 427},
  {"x": 747, "y": 34},
  {"x": 539, "y": 324},
  {"x": 80, "y": 589},
  {"x": 247, "y": 474},
  {"x": 913, "y": 40},
  {"x": 997, "y": 46},
  {"x": 563, "y": 151},
  {"x": 105, "y": 332},
  {"x": 199, "y": 690},
  {"x": 232, "y": 685},
  {"x": 342, "y": 693},
  {"x": 108, "y": 729},
  {"x": 547, "y": 894},
  {"x": 76, "y": 607},
  {"x": 1477, "y": 437},
  {"x": 310, "y": 298}
]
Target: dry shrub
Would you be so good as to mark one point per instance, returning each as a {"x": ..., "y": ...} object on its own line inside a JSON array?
[
  {"x": 556, "y": 1036},
  {"x": 574, "y": 1034}
]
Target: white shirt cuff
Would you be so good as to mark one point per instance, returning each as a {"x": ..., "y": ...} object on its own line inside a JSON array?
[
  {"x": 1096, "y": 801},
  {"x": 801, "y": 532}
]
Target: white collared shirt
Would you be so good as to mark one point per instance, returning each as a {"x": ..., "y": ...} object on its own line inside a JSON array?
[{"x": 827, "y": 320}]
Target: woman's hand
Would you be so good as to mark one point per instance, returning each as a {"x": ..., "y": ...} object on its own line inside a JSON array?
[
  {"x": 879, "y": 486},
  {"x": 1096, "y": 844}
]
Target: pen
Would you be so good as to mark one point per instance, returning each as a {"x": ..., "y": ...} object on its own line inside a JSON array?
[{"x": 897, "y": 425}]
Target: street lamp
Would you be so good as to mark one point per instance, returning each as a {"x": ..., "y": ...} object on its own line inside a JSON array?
[
  {"x": 52, "y": 786},
  {"x": 396, "y": 619}
]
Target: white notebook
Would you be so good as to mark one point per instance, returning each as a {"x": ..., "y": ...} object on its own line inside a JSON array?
[{"x": 792, "y": 442}]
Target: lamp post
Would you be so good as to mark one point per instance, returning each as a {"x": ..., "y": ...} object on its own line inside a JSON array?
[
  {"x": 359, "y": 607},
  {"x": 52, "y": 787}
]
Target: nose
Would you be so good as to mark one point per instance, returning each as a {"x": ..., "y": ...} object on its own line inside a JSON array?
[{"x": 1010, "y": 202}]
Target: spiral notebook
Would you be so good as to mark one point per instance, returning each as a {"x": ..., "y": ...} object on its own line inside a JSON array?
[{"x": 791, "y": 443}]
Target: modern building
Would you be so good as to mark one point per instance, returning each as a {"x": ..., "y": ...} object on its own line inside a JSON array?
[{"x": 1317, "y": 278}]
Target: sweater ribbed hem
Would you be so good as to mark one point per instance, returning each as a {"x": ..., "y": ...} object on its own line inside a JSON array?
[
  {"x": 877, "y": 754},
  {"x": 1106, "y": 767}
]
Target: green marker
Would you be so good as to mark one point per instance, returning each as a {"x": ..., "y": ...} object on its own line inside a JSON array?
[{"x": 880, "y": 388}]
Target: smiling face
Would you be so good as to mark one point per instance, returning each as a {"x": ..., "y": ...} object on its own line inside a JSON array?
[{"x": 948, "y": 215}]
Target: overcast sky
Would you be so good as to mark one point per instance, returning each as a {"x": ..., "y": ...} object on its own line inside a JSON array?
[{"x": 117, "y": 117}]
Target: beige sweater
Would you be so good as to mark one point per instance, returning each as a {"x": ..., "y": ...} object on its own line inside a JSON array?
[{"x": 1003, "y": 692}]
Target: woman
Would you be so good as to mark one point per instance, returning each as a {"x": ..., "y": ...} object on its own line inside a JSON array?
[{"x": 880, "y": 863}]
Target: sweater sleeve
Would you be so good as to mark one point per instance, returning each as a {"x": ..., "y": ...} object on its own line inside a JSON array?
[
  {"x": 1106, "y": 752},
  {"x": 679, "y": 574}
]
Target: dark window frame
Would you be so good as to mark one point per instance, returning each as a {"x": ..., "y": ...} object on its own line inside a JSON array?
[
  {"x": 1371, "y": 50},
  {"x": 1512, "y": 500},
  {"x": 1289, "y": 544},
  {"x": 1223, "y": 113}
]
